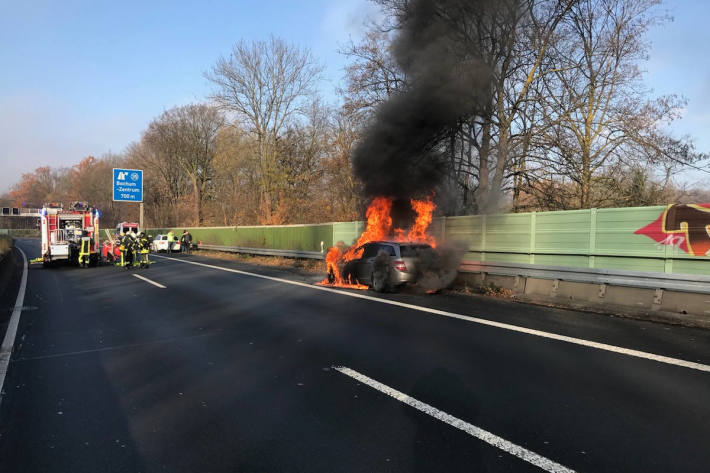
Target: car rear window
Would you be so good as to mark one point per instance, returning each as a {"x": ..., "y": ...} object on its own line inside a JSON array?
[
  {"x": 369, "y": 250},
  {"x": 413, "y": 250},
  {"x": 389, "y": 249}
]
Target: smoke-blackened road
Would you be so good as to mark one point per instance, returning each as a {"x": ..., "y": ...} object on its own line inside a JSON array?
[{"x": 224, "y": 371}]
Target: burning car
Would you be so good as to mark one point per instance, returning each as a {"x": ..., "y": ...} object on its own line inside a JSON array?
[
  {"x": 386, "y": 256},
  {"x": 385, "y": 265}
]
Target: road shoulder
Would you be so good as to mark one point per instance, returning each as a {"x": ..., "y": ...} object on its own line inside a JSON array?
[{"x": 10, "y": 276}]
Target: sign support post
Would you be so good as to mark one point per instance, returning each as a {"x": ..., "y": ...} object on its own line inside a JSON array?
[{"x": 128, "y": 187}]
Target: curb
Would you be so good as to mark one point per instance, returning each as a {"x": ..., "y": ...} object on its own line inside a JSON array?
[
  {"x": 8, "y": 342},
  {"x": 665, "y": 317}
]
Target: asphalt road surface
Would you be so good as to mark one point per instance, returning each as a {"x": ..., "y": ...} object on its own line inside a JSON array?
[{"x": 201, "y": 369}]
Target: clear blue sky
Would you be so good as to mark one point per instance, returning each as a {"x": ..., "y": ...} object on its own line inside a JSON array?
[{"x": 82, "y": 78}]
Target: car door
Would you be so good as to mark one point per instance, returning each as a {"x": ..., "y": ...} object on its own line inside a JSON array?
[{"x": 364, "y": 266}]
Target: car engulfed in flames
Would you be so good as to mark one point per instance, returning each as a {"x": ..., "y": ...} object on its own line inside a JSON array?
[{"x": 385, "y": 257}]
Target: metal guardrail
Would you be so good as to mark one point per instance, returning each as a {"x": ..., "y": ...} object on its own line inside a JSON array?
[
  {"x": 19, "y": 212},
  {"x": 629, "y": 278},
  {"x": 264, "y": 251}
]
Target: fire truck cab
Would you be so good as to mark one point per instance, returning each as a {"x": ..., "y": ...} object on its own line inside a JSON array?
[
  {"x": 70, "y": 235},
  {"x": 127, "y": 227}
]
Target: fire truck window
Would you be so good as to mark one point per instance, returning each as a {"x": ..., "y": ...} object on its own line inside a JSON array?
[{"x": 66, "y": 223}]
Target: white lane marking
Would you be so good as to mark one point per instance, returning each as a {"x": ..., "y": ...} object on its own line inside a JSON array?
[
  {"x": 149, "y": 281},
  {"x": 481, "y": 434},
  {"x": 491, "y": 323},
  {"x": 9, "y": 340}
]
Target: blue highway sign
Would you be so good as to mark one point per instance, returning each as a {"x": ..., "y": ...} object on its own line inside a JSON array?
[{"x": 127, "y": 185}]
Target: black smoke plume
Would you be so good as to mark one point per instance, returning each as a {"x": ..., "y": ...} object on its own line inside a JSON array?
[
  {"x": 436, "y": 269},
  {"x": 399, "y": 154}
]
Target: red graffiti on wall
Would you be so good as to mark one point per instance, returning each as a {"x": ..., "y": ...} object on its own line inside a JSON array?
[{"x": 686, "y": 226}]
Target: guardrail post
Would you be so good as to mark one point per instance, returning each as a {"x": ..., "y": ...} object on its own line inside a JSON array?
[
  {"x": 532, "y": 237},
  {"x": 657, "y": 298},
  {"x": 592, "y": 237},
  {"x": 668, "y": 253},
  {"x": 483, "y": 237},
  {"x": 443, "y": 229},
  {"x": 602, "y": 291}
]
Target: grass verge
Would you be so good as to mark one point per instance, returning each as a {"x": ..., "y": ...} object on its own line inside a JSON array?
[
  {"x": 307, "y": 265},
  {"x": 489, "y": 289},
  {"x": 5, "y": 244}
]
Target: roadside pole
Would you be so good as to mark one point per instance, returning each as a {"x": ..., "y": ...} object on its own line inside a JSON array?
[{"x": 128, "y": 187}]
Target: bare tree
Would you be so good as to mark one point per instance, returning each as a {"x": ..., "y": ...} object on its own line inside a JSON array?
[
  {"x": 300, "y": 154},
  {"x": 344, "y": 200},
  {"x": 236, "y": 178},
  {"x": 567, "y": 107},
  {"x": 164, "y": 184},
  {"x": 598, "y": 115},
  {"x": 489, "y": 151},
  {"x": 512, "y": 38},
  {"x": 185, "y": 137},
  {"x": 266, "y": 85},
  {"x": 373, "y": 75}
]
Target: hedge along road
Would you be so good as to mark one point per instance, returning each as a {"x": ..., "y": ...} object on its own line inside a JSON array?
[{"x": 222, "y": 371}]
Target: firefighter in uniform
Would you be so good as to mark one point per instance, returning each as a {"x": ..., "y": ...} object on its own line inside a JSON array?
[
  {"x": 126, "y": 249},
  {"x": 143, "y": 244},
  {"x": 128, "y": 254},
  {"x": 135, "y": 249}
]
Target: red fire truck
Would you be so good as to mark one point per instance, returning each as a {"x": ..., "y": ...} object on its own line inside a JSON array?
[{"x": 70, "y": 235}]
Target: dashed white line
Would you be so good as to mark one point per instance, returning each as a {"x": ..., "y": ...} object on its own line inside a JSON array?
[
  {"x": 9, "y": 340},
  {"x": 477, "y": 432},
  {"x": 149, "y": 281},
  {"x": 515, "y": 328}
]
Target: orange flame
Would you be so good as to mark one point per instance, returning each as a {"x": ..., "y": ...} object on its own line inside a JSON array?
[
  {"x": 418, "y": 232},
  {"x": 379, "y": 227}
]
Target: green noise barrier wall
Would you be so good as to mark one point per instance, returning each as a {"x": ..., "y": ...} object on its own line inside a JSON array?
[
  {"x": 282, "y": 237},
  {"x": 592, "y": 238}
]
